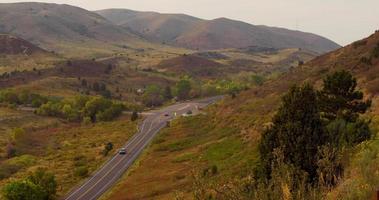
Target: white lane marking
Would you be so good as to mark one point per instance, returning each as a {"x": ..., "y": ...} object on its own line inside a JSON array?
[
  {"x": 184, "y": 107},
  {"x": 135, "y": 136},
  {"x": 119, "y": 172},
  {"x": 143, "y": 126},
  {"x": 129, "y": 142},
  {"x": 142, "y": 137}
]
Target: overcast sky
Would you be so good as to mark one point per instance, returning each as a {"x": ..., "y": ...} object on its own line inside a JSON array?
[{"x": 343, "y": 21}]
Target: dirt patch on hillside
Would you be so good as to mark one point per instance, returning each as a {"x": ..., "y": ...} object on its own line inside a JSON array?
[
  {"x": 13, "y": 45},
  {"x": 69, "y": 69}
]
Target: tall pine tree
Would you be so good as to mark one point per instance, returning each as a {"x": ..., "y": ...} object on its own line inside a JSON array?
[
  {"x": 339, "y": 97},
  {"x": 297, "y": 131}
]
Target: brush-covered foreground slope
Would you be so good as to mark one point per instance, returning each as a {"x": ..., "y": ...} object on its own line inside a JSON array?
[
  {"x": 190, "y": 32},
  {"x": 221, "y": 145}
]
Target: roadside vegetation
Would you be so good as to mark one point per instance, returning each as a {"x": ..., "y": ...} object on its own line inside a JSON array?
[
  {"x": 69, "y": 151},
  {"x": 62, "y": 140},
  {"x": 39, "y": 185},
  {"x": 216, "y": 156},
  {"x": 79, "y": 108}
]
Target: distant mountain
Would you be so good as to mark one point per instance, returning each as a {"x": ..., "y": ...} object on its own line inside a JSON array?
[
  {"x": 190, "y": 32},
  {"x": 52, "y": 25},
  {"x": 11, "y": 45}
]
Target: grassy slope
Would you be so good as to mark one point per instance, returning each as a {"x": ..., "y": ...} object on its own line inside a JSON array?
[
  {"x": 60, "y": 147},
  {"x": 189, "y": 145},
  {"x": 228, "y": 135}
]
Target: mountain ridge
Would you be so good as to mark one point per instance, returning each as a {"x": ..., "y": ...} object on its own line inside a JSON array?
[
  {"x": 52, "y": 26},
  {"x": 195, "y": 33}
]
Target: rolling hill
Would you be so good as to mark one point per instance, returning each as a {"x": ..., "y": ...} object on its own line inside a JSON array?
[
  {"x": 190, "y": 32},
  {"x": 62, "y": 27},
  {"x": 17, "y": 54}
]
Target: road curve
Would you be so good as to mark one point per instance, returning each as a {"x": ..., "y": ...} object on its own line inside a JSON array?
[{"x": 111, "y": 171}]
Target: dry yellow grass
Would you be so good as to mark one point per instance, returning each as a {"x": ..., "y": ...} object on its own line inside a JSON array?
[{"x": 63, "y": 147}]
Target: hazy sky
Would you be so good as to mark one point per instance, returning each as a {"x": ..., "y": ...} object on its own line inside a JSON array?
[{"x": 343, "y": 21}]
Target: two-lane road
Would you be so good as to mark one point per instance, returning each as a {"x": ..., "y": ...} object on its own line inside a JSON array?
[{"x": 111, "y": 171}]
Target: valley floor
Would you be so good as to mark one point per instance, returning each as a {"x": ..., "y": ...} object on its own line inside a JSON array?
[{"x": 71, "y": 151}]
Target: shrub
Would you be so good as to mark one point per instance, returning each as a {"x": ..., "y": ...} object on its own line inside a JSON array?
[
  {"x": 40, "y": 185},
  {"x": 94, "y": 106},
  {"x": 24, "y": 190},
  {"x": 81, "y": 171},
  {"x": 82, "y": 108},
  {"x": 112, "y": 112},
  {"x": 106, "y": 94},
  {"x": 80, "y": 160},
  {"x": 153, "y": 96},
  {"x": 366, "y": 61},
  {"x": 107, "y": 148},
  {"x": 134, "y": 116},
  {"x": 46, "y": 181},
  {"x": 87, "y": 120},
  {"x": 257, "y": 80},
  {"x": 346, "y": 134},
  {"x": 375, "y": 51},
  {"x": 359, "y": 43},
  {"x": 183, "y": 88}
]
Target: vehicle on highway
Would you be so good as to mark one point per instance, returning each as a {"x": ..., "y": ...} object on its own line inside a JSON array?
[
  {"x": 187, "y": 114},
  {"x": 122, "y": 151},
  {"x": 166, "y": 115}
]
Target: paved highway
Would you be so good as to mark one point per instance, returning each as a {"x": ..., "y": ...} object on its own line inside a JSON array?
[{"x": 111, "y": 171}]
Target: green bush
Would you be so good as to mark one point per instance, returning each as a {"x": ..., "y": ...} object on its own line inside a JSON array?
[
  {"x": 183, "y": 88},
  {"x": 134, "y": 116},
  {"x": 80, "y": 160},
  {"x": 153, "y": 96},
  {"x": 107, "y": 148},
  {"x": 22, "y": 98},
  {"x": 82, "y": 108},
  {"x": 110, "y": 113},
  {"x": 81, "y": 171},
  {"x": 23, "y": 190},
  {"x": 39, "y": 185},
  {"x": 15, "y": 164}
]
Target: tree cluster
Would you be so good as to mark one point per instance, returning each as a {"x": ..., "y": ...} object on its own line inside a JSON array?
[
  {"x": 25, "y": 98},
  {"x": 312, "y": 127},
  {"x": 40, "y": 185},
  {"x": 82, "y": 108}
]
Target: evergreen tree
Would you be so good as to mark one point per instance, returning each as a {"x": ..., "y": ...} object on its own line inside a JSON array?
[
  {"x": 183, "y": 88},
  {"x": 296, "y": 131},
  {"x": 339, "y": 98},
  {"x": 96, "y": 86},
  {"x": 84, "y": 82},
  {"x": 167, "y": 92},
  {"x": 134, "y": 116}
]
